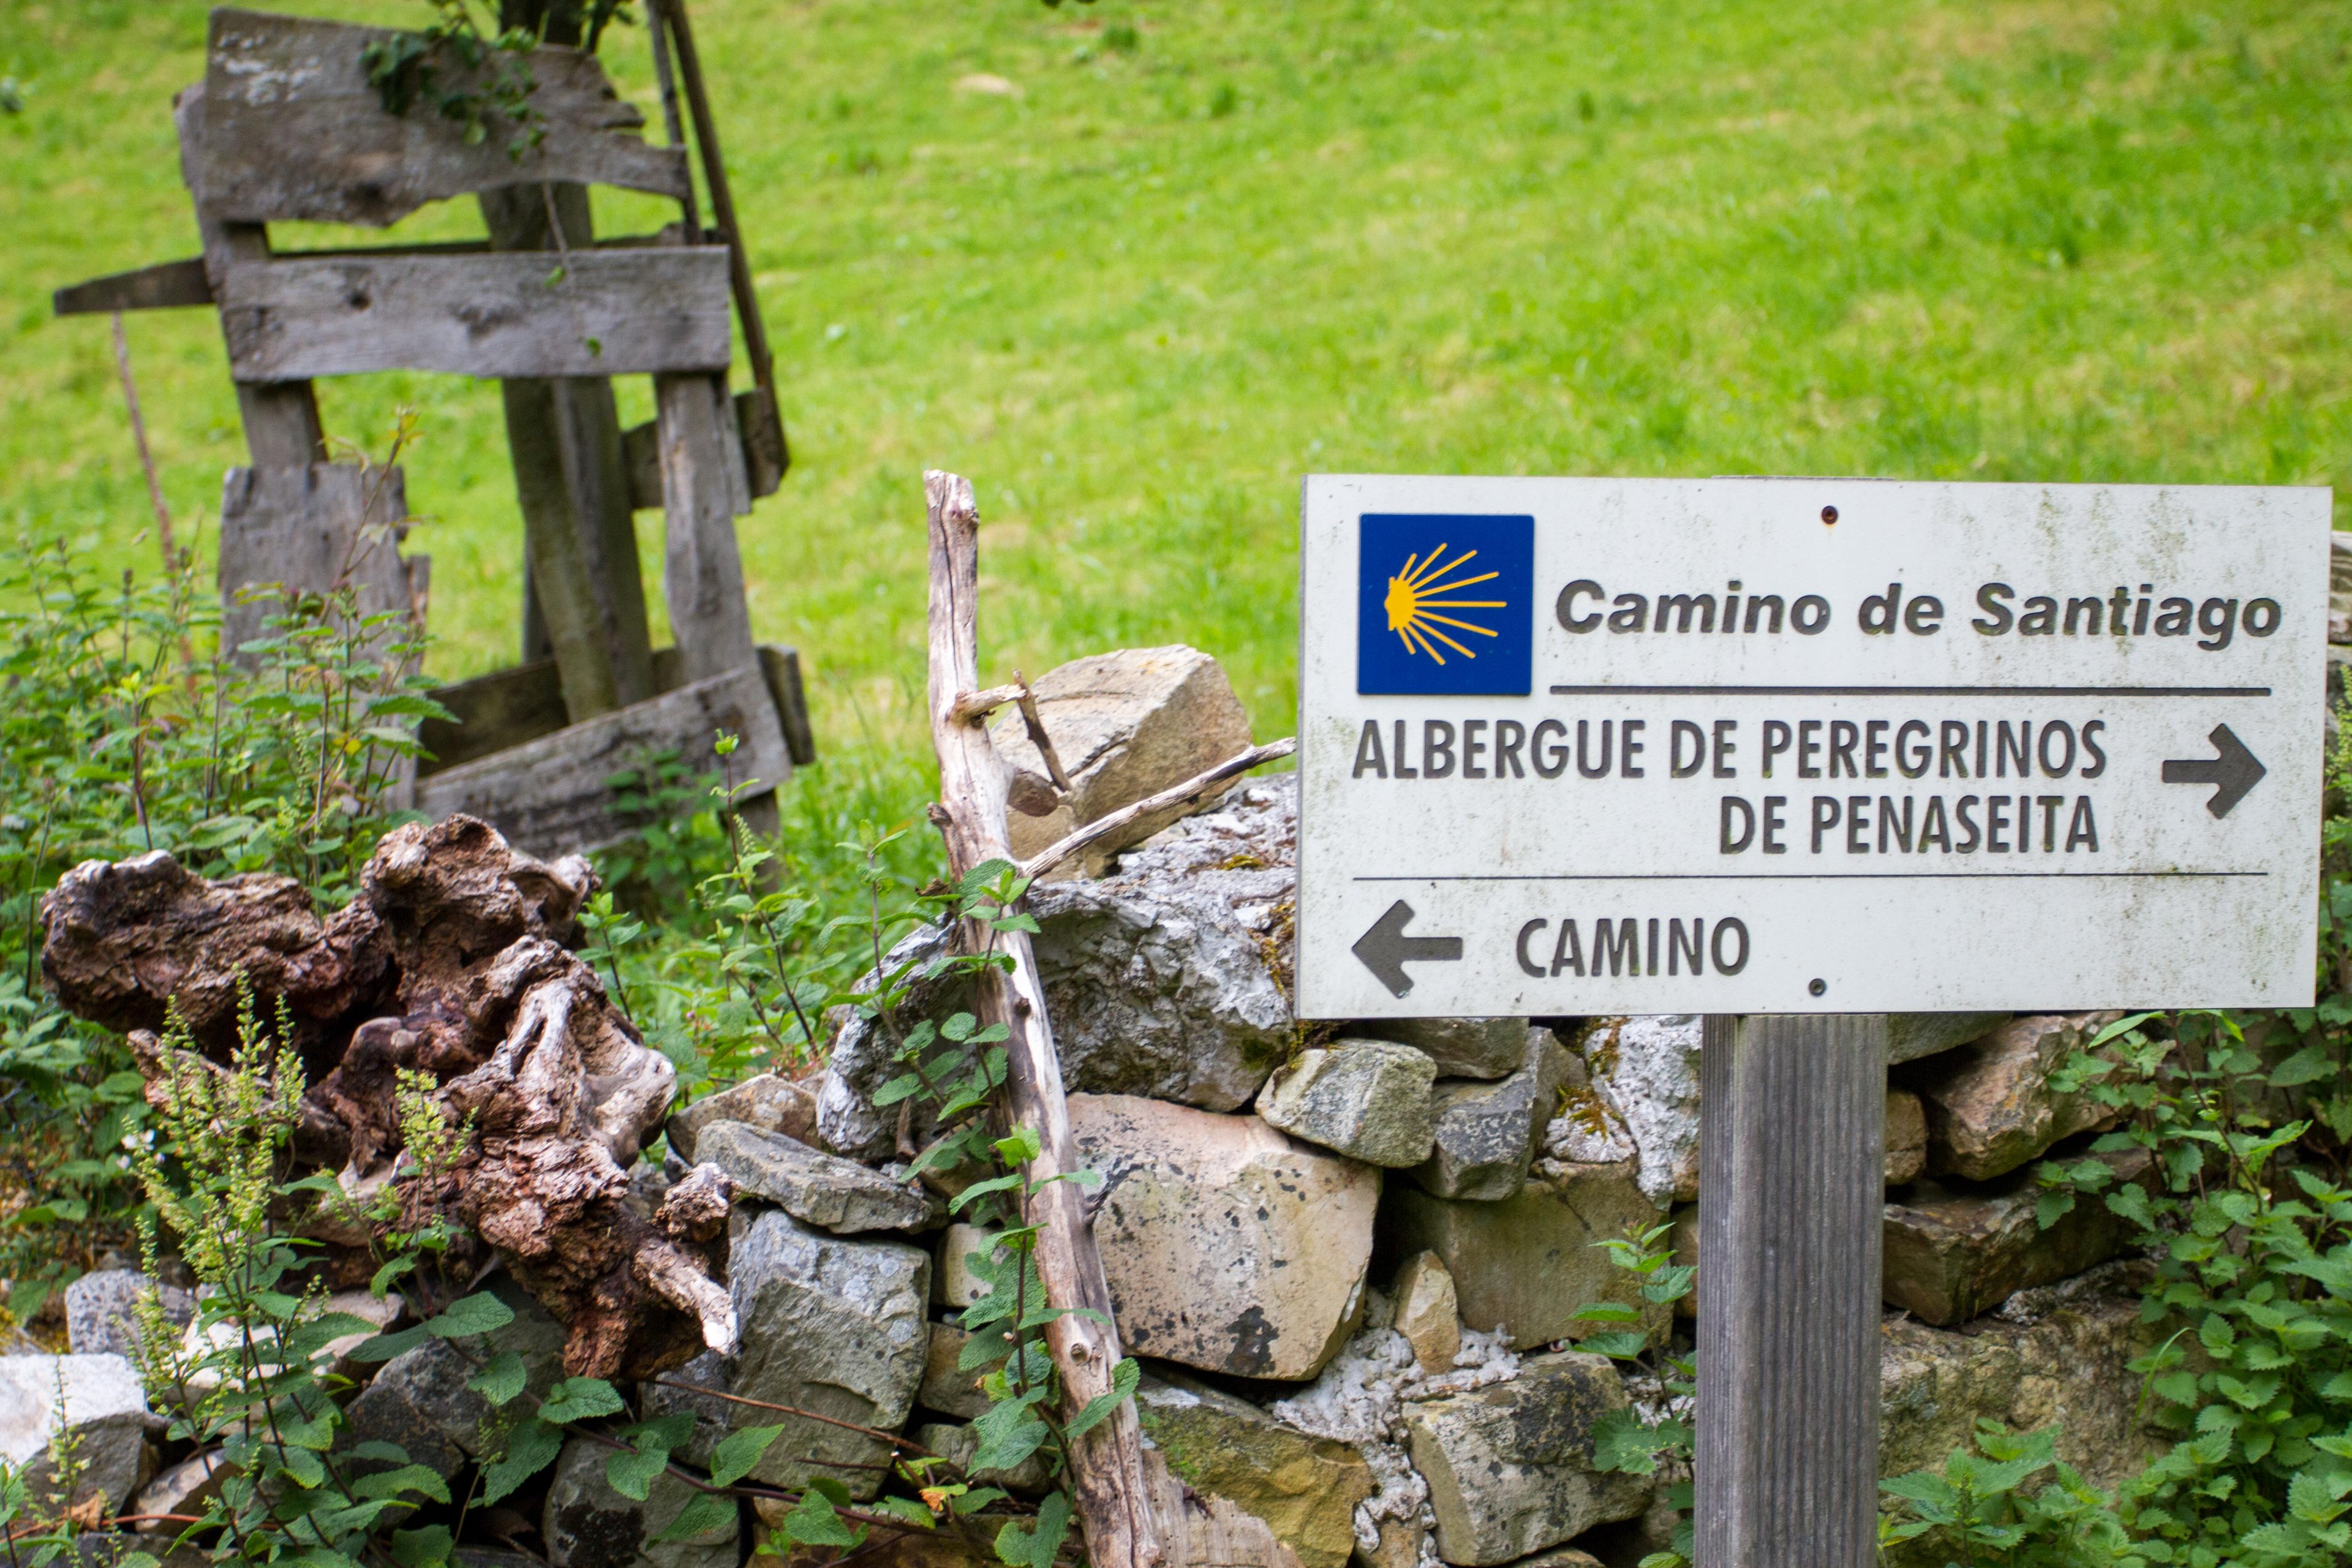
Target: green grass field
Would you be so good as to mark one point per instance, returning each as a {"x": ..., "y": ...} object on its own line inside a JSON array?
[{"x": 1176, "y": 255}]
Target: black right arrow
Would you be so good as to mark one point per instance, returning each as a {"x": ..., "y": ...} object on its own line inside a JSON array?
[
  {"x": 2235, "y": 769},
  {"x": 1385, "y": 949}
]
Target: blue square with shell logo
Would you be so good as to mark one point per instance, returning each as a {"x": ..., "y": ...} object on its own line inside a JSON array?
[{"x": 1446, "y": 606}]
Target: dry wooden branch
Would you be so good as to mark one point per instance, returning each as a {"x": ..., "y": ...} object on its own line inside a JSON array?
[
  {"x": 971, "y": 707},
  {"x": 1062, "y": 848},
  {"x": 1035, "y": 725},
  {"x": 1108, "y": 1481}
]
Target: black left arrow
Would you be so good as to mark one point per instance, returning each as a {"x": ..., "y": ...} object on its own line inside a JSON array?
[
  {"x": 2235, "y": 769},
  {"x": 1386, "y": 950}
]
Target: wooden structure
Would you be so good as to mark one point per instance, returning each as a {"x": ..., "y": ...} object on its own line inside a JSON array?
[
  {"x": 1792, "y": 1158},
  {"x": 286, "y": 127}
]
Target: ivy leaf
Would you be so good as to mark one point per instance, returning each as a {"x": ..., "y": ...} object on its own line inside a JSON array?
[
  {"x": 738, "y": 1451},
  {"x": 1034, "y": 1545},
  {"x": 532, "y": 1446}
]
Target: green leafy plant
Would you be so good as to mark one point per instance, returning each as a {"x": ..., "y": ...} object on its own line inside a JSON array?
[
  {"x": 1628, "y": 1440},
  {"x": 1979, "y": 1511}
]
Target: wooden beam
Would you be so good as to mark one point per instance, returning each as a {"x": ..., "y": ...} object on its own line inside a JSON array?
[
  {"x": 297, "y": 132},
  {"x": 522, "y": 702},
  {"x": 165, "y": 285},
  {"x": 605, "y": 312},
  {"x": 1113, "y": 1490},
  {"x": 1191, "y": 789},
  {"x": 702, "y": 479},
  {"x": 552, "y": 796},
  {"x": 563, "y": 435},
  {"x": 781, "y": 666},
  {"x": 281, "y": 419},
  {"x": 312, "y": 529},
  {"x": 1791, "y": 1162}
]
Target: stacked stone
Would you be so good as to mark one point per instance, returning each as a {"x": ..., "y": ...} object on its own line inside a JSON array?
[{"x": 1350, "y": 1258}]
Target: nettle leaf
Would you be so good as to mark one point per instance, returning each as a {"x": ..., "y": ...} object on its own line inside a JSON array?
[
  {"x": 632, "y": 1474},
  {"x": 407, "y": 1479},
  {"x": 1124, "y": 1377},
  {"x": 816, "y": 1523},
  {"x": 1622, "y": 1345},
  {"x": 1624, "y": 1443},
  {"x": 469, "y": 1316},
  {"x": 500, "y": 1381},
  {"x": 704, "y": 1513},
  {"x": 426, "y": 1548},
  {"x": 581, "y": 1399},
  {"x": 738, "y": 1451},
  {"x": 1034, "y": 1545},
  {"x": 532, "y": 1446}
]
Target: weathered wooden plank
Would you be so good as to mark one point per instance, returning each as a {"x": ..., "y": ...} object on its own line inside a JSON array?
[
  {"x": 702, "y": 572},
  {"x": 781, "y": 666},
  {"x": 296, "y": 132},
  {"x": 550, "y": 796},
  {"x": 165, "y": 285},
  {"x": 1793, "y": 1166},
  {"x": 308, "y": 529},
  {"x": 641, "y": 453},
  {"x": 610, "y": 312},
  {"x": 281, "y": 419},
  {"x": 563, "y": 435},
  {"x": 1111, "y": 1485}
]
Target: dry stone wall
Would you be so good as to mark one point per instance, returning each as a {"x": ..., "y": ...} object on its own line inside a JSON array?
[{"x": 1351, "y": 1258}]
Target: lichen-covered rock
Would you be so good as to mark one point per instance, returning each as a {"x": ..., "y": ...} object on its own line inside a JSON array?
[
  {"x": 1991, "y": 1106},
  {"x": 1167, "y": 978},
  {"x": 1227, "y": 1246},
  {"x": 1125, "y": 724},
  {"x": 1646, "y": 1071},
  {"x": 2066, "y": 1368},
  {"x": 101, "y": 1310},
  {"x": 587, "y": 1525},
  {"x": 1510, "y": 1467},
  {"x": 1524, "y": 1265},
  {"x": 767, "y": 1101},
  {"x": 819, "y": 1189},
  {"x": 1487, "y": 1134},
  {"x": 1369, "y": 1099},
  {"x": 1307, "y": 1488},
  {"x": 1907, "y": 1137},
  {"x": 99, "y": 1400},
  {"x": 832, "y": 1324},
  {"x": 1952, "y": 1255},
  {"x": 419, "y": 1400},
  {"x": 1460, "y": 1047},
  {"x": 946, "y": 1387},
  {"x": 1428, "y": 1314},
  {"x": 1910, "y": 1036}
]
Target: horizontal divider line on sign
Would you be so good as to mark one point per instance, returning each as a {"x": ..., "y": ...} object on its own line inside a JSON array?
[
  {"x": 1911, "y": 690},
  {"x": 1790, "y": 876}
]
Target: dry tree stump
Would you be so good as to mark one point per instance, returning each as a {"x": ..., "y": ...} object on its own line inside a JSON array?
[{"x": 450, "y": 963}]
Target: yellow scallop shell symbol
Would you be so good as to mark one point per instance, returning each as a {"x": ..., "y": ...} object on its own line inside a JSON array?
[{"x": 1414, "y": 598}]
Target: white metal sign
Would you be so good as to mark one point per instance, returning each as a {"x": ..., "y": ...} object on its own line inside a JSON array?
[{"x": 1573, "y": 746}]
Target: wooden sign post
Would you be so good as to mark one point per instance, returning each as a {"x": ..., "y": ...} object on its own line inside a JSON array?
[
  {"x": 1793, "y": 1148},
  {"x": 1795, "y": 755}
]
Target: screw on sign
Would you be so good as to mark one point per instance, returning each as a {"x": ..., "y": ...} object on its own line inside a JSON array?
[{"x": 1753, "y": 748}]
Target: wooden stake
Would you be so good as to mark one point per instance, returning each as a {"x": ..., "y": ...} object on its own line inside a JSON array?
[
  {"x": 1113, "y": 1490},
  {"x": 1791, "y": 1155},
  {"x": 1103, "y": 827}
]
